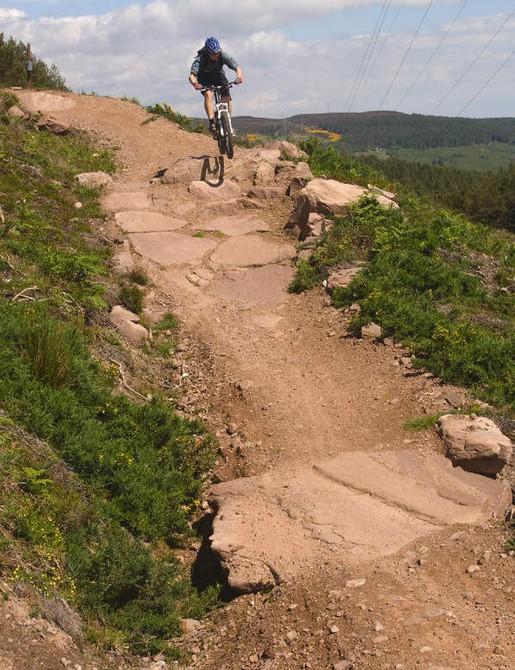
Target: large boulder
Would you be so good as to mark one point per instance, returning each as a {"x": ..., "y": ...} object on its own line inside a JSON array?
[
  {"x": 329, "y": 198},
  {"x": 355, "y": 507},
  {"x": 286, "y": 149},
  {"x": 475, "y": 443},
  {"x": 53, "y": 125},
  {"x": 301, "y": 175},
  {"x": 191, "y": 168}
]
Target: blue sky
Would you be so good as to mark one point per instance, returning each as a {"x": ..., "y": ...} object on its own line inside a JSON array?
[{"x": 446, "y": 57}]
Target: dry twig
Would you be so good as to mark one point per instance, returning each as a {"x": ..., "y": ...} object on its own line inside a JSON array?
[
  {"x": 124, "y": 381},
  {"x": 22, "y": 294}
]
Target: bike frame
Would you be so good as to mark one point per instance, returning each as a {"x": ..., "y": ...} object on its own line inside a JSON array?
[{"x": 220, "y": 106}]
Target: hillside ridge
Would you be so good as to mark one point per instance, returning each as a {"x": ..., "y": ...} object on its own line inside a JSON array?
[{"x": 361, "y": 131}]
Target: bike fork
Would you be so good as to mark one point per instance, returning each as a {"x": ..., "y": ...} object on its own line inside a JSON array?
[{"x": 223, "y": 107}]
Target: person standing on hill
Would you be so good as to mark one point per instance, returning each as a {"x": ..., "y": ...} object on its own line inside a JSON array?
[
  {"x": 207, "y": 69},
  {"x": 29, "y": 66}
]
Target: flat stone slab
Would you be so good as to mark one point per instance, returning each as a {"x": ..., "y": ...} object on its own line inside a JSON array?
[
  {"x": 359, "y": 505},
  {"x": 235, "y": 225},
  {"x": 171, "y": 248},
  {"x": 249, "y": 250},
  {"x": 117, "y": 202},
  {"x": 267, "y": 285},
  {"x": 226, "y": 190},
  {"x": 147, "y": 222}
]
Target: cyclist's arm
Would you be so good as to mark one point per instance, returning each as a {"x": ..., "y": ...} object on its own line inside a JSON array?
[
  {"x": 239, "y": 76},
  {"x": 233, "y": 65},
  {"x": 194, "y": 70}
]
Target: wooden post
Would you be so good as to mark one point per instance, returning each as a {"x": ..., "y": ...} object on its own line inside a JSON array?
[{"x": 29, "y": 66}]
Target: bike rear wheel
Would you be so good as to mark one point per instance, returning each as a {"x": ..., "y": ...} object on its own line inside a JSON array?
[{"x": 226, "y": 125}]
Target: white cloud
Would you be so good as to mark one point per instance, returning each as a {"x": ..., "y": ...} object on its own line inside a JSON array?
[
  {"x": 8, "y": 13},
  {"x": 144, "y": 51}
]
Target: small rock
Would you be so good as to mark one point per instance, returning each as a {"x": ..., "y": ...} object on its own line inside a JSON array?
[
  {"x": 333, "y": 629},
  {"x": 355, "y": 583},
  {"x": 94, "y": 179},
  {"x": 342, "y": 665},
  {"x": 487, "y": 555},
  {"x": 371, "y": 331},
  {"x": 190, "y": 625},
  {"x": 380, "y": 639},
  {"x": 472, "y": 568}
]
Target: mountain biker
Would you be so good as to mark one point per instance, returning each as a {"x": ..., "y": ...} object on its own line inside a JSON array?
[{"x": 207, "y": 70}]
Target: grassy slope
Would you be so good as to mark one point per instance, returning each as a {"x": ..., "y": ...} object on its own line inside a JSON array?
[
  {"x": 96, "y": 489},
  {"x": 435, "y": 281}
]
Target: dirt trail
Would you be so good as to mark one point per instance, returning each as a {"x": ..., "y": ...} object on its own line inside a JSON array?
[{"x": 296, "y": 392}]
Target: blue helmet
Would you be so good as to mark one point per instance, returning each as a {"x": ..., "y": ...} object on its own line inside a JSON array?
[{"x": 213, "y": 45}]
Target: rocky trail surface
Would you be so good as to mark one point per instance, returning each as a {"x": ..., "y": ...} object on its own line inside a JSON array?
[{"x": 356, "y": 542}]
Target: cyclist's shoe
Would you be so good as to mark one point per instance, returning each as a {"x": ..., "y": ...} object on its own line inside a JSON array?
[{"x": 212, "y": 128}]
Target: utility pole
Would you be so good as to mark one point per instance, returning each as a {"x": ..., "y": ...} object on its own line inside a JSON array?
[{"x": 29, "y": 65}]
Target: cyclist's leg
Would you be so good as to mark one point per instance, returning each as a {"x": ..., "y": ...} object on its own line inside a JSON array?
[
  {"x": 208, "y": 104},
  {"x": 206, "y": 79}
]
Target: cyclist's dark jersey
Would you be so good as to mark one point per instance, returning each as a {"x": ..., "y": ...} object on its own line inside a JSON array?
[{"x": 202, "y": 64}]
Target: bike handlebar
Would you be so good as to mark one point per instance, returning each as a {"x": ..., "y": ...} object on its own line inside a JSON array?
[{"x": 212, "y": 87}]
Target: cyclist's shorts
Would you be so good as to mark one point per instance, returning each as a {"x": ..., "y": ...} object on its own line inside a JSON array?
[{"x": 214, "y": 79}]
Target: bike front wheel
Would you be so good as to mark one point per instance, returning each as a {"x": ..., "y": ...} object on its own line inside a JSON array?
[
  {"x": 226, "y": 125},
  {"x": 220, "y": 137}
]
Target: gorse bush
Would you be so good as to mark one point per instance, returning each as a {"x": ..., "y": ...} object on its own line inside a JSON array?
[
  {"x": 170, "y": 114},
  {"x": 433, "y": 280},
  {"x": 100, "y": 490},
  {"x": 145, "y": 457},
  {"x": 56, "y": 538},
  {"x": 326, "y": 161}
]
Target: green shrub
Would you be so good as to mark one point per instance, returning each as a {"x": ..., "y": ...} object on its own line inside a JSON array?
[
  {"x": 308, "y": 275},
  {"x": 424, "y": 283},
  {"x": 325, "y": 161},
  {"x": 131, "y": 297},
  {"x": 168, "y": 113}
]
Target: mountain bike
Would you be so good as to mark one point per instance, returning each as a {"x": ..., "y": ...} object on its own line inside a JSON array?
[{"x": 223, "y": 123}]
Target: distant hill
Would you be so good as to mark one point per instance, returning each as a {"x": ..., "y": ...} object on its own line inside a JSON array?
[{"x": 366, "y": 131}]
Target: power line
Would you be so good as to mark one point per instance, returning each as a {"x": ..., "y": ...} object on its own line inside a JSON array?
[
  {"x": 482, "y": 88},
  {"x": 474, "y": 61},
  {"x": 403, "y": 59},
  {"x": 360, "y": 75},
  {"x": 387, "y": 35},
  {"x": 433, "y": 54}
]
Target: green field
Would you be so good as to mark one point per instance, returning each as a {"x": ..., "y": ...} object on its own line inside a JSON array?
[{"x": 493, "y": 156}]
